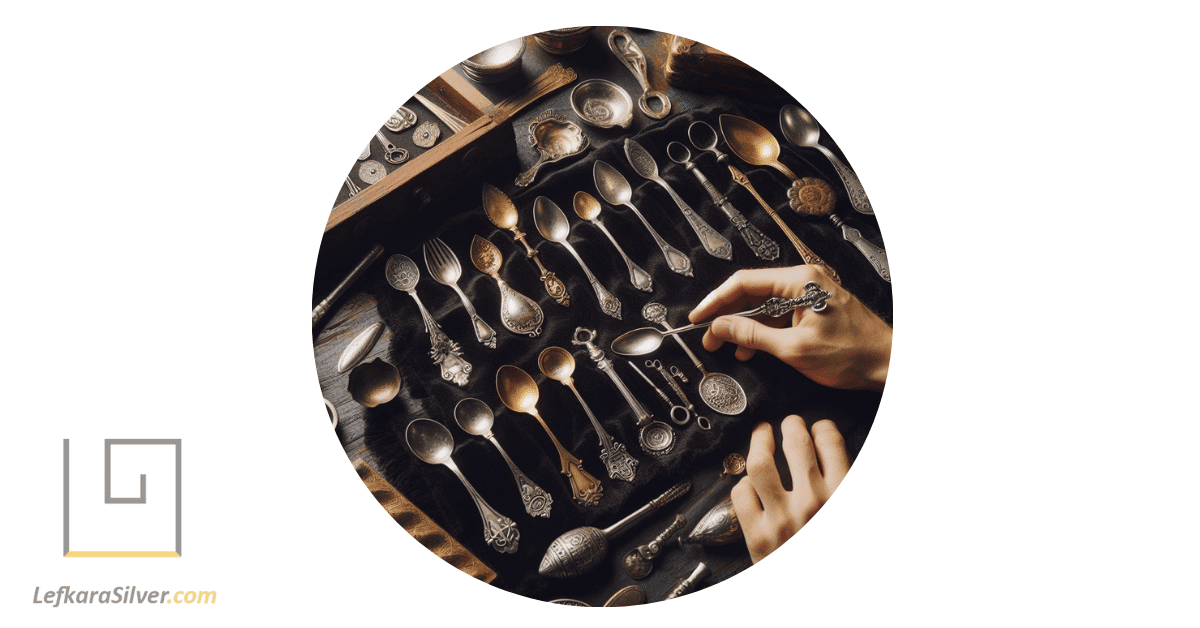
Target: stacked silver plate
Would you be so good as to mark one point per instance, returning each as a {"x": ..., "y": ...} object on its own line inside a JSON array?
[{"x": 496, "y": 63}]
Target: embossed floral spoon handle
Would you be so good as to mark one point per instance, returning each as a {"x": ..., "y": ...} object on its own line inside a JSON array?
[{"x": 621, "y": 43}]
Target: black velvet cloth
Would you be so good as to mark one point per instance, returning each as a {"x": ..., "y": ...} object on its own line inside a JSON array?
[{"x": 774, "y": 390}]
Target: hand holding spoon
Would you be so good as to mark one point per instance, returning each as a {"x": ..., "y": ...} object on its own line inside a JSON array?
[
  {"x": 476, "y": 418},
  {"x": 558, "y": 364},
  {"x": 588, "y": 208},
  {"x": 519, "y": 393},
  {"x": 801, "y": 129},
  {"x": 432, "y": 443}
]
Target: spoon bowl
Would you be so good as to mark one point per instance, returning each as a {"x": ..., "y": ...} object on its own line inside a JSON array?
[
  {"x": 557, "y": 363},
  {"x": 402, "y": 273},
  {"x": 550, "y": 220},
  {"x": 799, "y": 127},
  {"x": 586, "y": 206},
  {"x": 752, "y": 143},
  {"x": 429, "y": 440},
  {"x": 517, "y": 390},
  {"x": 613, "y": 187},
  {"x": 474, "y": 416},
  {"x": 638, "y": 342},
  {"x": 374, "y": 383}
]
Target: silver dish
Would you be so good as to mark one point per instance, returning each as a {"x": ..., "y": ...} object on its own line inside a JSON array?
[
  {"x": 496, "y": 63},
  {"x": 561, "y": 41},
  {"x": 602, "y": 103}
]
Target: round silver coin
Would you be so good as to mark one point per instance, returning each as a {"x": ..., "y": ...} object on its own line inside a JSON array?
[
  {"x": 371, "y": 172},
  {"x": 426, "y": 135}
]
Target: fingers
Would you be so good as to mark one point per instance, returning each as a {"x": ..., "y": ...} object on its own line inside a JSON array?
[
  {"x": 761, "y": 470},
  {"x": 831, "y": 452},
  {"x": 761, "y": 282},
  {"x": 746, "y": 504},
  {"x": 749, "y": 334},
  {"x": 801, "y": 458}
]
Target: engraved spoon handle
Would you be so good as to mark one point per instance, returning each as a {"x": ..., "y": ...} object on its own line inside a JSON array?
[
  {"x": 608, "y": 303},
  {"x": 677, "y": 261},
  {"x": 585, "y": 488},
  {"x": 499, "y": 531},
  {"x": 483, "y": 332},
  {"x": 875, "y": 255},
  {"x": 669, "y": 496},
  {"x": 715, "y": 243},
  {"x": 763, "y": 247},
  {"x": 528, "y": 489},
  {"x": 525, "y": 178},
  {"x": 858, "y": 196},
  {"x": 806, "y": 253},
  {"x": 554, "y": 286},
  {"x": 446, "y": 353},
  {"x": 643, "y": 417},
  {"x": 638, "y": 277}
]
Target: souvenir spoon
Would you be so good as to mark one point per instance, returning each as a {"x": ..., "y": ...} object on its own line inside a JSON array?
[
  {"x": 655, "y": 437},
  {"x": 764, "y": 247},
  {"x": 431, "y": 442},
  {"x": 588, "y": 208},
  {"x": 402, "y": 274},
  {"x": 519, "y": 393},
  {"x": 627, "y": 50},
  {"x": 801, "y": 129},
  {"x": 645, "y": 166},
  {"x": 720, "y": 391},
  {"x": 646, "y": 339},
  {"x": 579, "y": 551},
  {"x": 501, "y": 211},
  {"x": 476, "y": 418},
  {"x": 704, "y": 137},
  {"x": 518, "y": 313},
  {"x": 615, "y": 190},
  {"x": 553, "y": 225},
  {"x": 555, "y": 138},
  {"x": 558, "y": 364}
]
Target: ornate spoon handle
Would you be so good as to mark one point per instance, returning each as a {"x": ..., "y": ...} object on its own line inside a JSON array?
[
  {"x": 620, "y": 465},
  {"x": 537, "y": 501},
  {"x": 499, "y": 531},
  {"x": 585, "y": 488},
  {"x": 715, "y": 243},
  {"x": 638, "y": 277},
  {"x": 608, "y": 303},
  {"x": 483, "y": 332},
  {"x": 806, "y": 253},
  {"x": 858, "y": 196},
  {"x": 677, "y": 261},
  {"x": 554, "y": 286},
  {"x": 874, "y": 254},
  {"x": 631, "y": 55},
  {"x": 445, "y": 352},
  {"x": 764, "y": 247},
  {"x": 585, "y": 337}
]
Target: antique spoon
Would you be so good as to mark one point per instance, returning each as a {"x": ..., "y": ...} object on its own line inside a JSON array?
[
  {"x": 501, "y": 211},
  {"x": 627, "y": 50},
  {"x": 639, "y": 562},
  {"x": 555, "y": 138},
  {"x": 431, "y": 442},
  {"x": 643, "y": 164},
  {"x": 444, "y": 267},
  {"x": 476, "y": 418},
  {"x": 801, "y": 129},
  {"x": 579, "y": 551},
  {"x": 764, "y": 247},
  {"x": 720, "y": 391},
  {"x": 558, "y": 364},
  {"x": 518, "y": 313},
  {"x": 704, "y": 138},
  {"x": 752, "y": 143},
  {"x": 553, "y": 225},
  {"x": 403, "y": 274},
  {"x": 588, "y": 208},
  {"x": 811, "y": 196},
  {"x": 615, "y": 190},
  {"x": 519, "y": 393},
  {"x": 646, "y": 339}
]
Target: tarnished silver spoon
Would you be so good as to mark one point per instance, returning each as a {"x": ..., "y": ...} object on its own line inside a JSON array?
[
  {"x": 801, "y": 129},
  {"x": 476, "y": 418}
]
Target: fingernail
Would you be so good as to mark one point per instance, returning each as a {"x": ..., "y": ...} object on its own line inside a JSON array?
[{"x": 721, "y": 327}]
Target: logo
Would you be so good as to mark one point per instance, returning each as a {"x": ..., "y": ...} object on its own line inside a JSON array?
[{"x": 124, "y": 516}]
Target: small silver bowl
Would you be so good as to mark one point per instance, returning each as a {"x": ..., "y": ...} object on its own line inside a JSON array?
[
  {"x": 602, "y": 104},
  {"x": 496, "y": 63},
  {"x": 561, "y": 41}
]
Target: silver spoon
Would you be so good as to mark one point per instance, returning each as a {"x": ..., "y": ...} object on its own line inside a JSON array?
[
  {"x": 646, "y": 339},
  {"x": 644, "y": 165},
  {"x": 764, "y": 247},
  {"x": 615, "y": 190},
  {"x": 476, "y": 418},
  {"x": 720, "y": 391},
  {"x": 801, "y": 129},
  {"x": 553, "y": 225},
  {"x": 588, "y": 208},
  {"x": 403, "y": 274},
  {"x": 445, "y": 269},
  {"x": 432, "y": 443}
]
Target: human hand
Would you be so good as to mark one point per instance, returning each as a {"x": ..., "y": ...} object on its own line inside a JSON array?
[
  {"x": 770, "y": 515},
  {"x": 844, "y": 346}
]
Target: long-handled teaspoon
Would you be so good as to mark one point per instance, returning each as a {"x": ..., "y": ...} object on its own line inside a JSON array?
[
  {"x": 501, "y": 211},
  {"x": 431, "y": 442},
  {"x": 519, "y": 393},
  {"x": 403, "y": 274},
  {"x": 588, "y": 208},
  {"x": 801, "y": 129},
  {"x": 558, "y": 364},
  {"x": 553, "y": 225},
  {"x": 615, "y": 190},
  {"x": 476, "y": 418},
  {"x": 646, "y": 339},
  {"x": 712, "y": 241}
]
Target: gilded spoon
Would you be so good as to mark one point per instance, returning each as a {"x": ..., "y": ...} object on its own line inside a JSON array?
[{"x": 518, "y": 313}]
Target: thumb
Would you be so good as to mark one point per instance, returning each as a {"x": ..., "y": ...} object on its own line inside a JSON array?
[{"x": 749, "y": 333}]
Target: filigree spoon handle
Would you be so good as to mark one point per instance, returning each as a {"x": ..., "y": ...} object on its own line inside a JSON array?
[
  {"x": 712, "y": 241},
  {"x": 537, "y": 501},
  {"x": 858, "y": 196},
  {"x": 620, "y": 465},
  {"x": 499, "y": 531},
  {"x": 764, "y": 247},
  {"x": 875, "y": 255},
  {"x": 446, "y": 353}
]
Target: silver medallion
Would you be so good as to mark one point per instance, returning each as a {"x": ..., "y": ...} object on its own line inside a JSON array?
[
  {"x": 371, "y": 172},
  {"x": 426, "y": 135}
]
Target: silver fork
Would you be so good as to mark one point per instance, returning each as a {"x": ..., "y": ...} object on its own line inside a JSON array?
[{"x": 444, "y": 268}]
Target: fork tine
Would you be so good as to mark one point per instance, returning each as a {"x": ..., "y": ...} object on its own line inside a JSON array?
[{"x": 450, "y": 258}]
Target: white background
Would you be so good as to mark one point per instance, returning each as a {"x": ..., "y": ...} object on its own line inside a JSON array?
[
  {"x": 100, "y": 527},
  {"x": 168, "y": 171}
]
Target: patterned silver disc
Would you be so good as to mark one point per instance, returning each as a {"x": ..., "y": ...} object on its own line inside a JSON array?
[
  {"x": 722, "y": 393},
  {"x": 402, "y": 119},
  {"x": 657, "y": 438},
  {"x": 371, "y": 172},
  {"x": 426, "y": 135}
]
